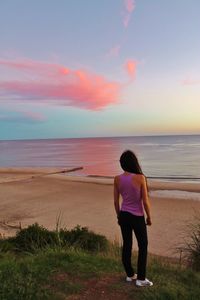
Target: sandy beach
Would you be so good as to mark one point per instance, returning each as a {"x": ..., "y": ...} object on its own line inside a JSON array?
[{"x": 30, "y": 195}]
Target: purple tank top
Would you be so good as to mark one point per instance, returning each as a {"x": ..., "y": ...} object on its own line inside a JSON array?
[{"x": 131, "y": 195}]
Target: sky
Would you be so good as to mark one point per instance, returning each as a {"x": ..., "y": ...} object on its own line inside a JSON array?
[{"x": 92, "y": 68}]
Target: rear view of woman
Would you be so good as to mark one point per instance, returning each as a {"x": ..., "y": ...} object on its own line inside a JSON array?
[{"x": 132, "y": 187}]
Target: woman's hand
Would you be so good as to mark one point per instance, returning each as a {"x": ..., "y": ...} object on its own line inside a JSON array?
[
  {"x": 118, "y": 220},
  {"x": 148, "y": 221}
]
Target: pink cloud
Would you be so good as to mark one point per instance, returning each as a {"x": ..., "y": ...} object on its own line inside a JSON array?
[
  {"x": 114, "y": 52},
  {"x": 131, "y": 68},
  {"x": 130, "y": 5},
  {"x": 34, "y": 116},
  {"x": 190, "y": 81},
  {"x": 129, "y": 8},
  {"x": 60, "y": 85},
  {"x": 32, "y": 66},
  {"x": 22, "y": 116}
]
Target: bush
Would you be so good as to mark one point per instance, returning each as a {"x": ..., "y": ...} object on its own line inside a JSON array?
[
  {"x": 82, "y": 238},
  {"x": 191, "y": 248},
  {"x": 7, "y": 244},
  {"x": 37, "y": 237}
]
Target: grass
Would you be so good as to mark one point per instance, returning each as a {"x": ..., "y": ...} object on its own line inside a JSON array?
[
  {"x": 58, "y": 272},
  {"x": 50, "y": 272}
]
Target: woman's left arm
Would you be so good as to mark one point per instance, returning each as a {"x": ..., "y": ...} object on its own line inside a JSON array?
[
  {"x": 145, "y": 199},
  {"x": 116, "y": 196}
]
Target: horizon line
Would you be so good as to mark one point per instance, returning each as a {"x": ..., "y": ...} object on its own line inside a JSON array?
[{"x": 100, "y": 137}]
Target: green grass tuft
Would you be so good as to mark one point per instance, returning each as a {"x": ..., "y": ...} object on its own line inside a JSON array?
[{"x": 190, "y": 250}]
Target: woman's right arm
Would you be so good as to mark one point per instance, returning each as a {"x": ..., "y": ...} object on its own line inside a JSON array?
[{"x": 145, "y": 199}]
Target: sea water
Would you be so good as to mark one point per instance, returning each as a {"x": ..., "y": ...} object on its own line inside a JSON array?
[{"x": 160, "y": 156}]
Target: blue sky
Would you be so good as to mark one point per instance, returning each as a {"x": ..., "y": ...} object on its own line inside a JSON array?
[{"x": 74, "y": 68}]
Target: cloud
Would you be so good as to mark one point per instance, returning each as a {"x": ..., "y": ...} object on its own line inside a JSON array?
[
  {"x": 37, "y": 67},
  {"x": 33, "y": 116},
  {"x": 59, "y": 85},
  {"x": 114, "y": 51},
  {"x": 131, "y": 68},
  {"x": 190, "y": 81},
  {"x": 21, "y": 116},
  {"x": 129, "y": 8}
]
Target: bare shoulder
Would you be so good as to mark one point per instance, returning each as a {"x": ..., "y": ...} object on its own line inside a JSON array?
[
  {"x": 116, "y": 179},
  {"x": 140, "y": 178}
]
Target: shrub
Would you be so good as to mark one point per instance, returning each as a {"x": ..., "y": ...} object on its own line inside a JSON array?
[
  {"x": 82, "y": 238},
  {"x": 37, "y": 237},
  {"x": 191, "y": 247},
  {"x": 6, "y": 244}
]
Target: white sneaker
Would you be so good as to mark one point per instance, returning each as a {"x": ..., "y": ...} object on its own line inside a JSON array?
[
  {"x": 145, "y": 282},
  {"x": 130, "y": 279}
]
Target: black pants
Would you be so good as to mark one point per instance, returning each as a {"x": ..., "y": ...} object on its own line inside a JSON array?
[{"x": 128, "y": 224}]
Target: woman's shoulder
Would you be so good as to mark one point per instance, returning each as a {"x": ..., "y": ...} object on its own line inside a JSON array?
[
  {"x": 140, "y": 177},
  {"x": 116, "y": 178}
]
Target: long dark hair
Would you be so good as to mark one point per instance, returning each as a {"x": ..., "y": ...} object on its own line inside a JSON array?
[{"x": 129, "y": 162}]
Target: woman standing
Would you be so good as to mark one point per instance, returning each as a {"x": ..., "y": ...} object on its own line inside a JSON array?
[{"x": 132, "y": 186}]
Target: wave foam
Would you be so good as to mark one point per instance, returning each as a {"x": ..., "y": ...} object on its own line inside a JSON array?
[{"x": 183, "y": 195}]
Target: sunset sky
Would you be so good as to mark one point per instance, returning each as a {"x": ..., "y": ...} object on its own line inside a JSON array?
[{"x": 86, "y": 68}]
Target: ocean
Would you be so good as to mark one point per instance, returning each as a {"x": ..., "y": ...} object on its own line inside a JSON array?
[{"x": 172, "y": 157}]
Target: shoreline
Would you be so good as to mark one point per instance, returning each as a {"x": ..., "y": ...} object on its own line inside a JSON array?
[
  {"x": 180, "y": 190},
  {"x": 158, "y": 183}
]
